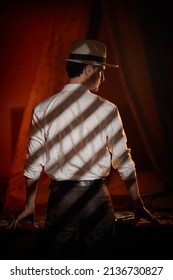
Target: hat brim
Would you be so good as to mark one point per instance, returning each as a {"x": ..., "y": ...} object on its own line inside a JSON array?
[{"x": 92, "y": 62}]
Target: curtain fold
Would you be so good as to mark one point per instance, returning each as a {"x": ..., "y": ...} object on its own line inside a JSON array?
[
  {"x": 65, "y": 25},
  {"x": 127, "y": 43}
]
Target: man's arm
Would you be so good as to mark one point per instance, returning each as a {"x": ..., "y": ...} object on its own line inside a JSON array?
[
  {"x": 139, "y": 209},
  {"x": 29, "y": 210},
  {"x": 31, "y": 191}
]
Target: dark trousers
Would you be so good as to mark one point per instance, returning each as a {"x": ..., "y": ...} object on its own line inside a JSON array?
[{"x": 80, "y": 220}]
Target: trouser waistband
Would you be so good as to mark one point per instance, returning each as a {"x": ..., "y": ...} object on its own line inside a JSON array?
[{"x": 78, "y": 183}]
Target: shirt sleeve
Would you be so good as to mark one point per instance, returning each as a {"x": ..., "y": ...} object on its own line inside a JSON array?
[
  {"x": 35, "y": 157},
  {"x": 120, "y": 153}
]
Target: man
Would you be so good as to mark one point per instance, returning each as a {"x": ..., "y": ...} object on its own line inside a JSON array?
[{"x": 76, "y": 137}]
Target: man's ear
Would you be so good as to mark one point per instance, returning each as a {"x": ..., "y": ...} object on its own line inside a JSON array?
[{"x": 88, "y": 70}]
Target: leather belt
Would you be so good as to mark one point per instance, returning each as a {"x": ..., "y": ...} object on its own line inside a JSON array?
[{"x": 78, "y": 183}]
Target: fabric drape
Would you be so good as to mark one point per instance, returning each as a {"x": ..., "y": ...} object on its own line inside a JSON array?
[
  {"x": 129, "y": 48},
  {"x": 64, "y": 26}
]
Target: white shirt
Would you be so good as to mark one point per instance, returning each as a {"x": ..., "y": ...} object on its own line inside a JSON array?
[{"x": 77, "y": 135}]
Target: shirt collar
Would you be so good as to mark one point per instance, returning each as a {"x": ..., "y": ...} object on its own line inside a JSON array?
[{"x": 76, "y": 87}]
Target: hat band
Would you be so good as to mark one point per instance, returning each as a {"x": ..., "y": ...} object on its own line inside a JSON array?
[{"x": 87, "y": 57}]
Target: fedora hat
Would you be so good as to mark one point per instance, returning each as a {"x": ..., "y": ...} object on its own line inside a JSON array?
[{"x": 89, "y": 52}]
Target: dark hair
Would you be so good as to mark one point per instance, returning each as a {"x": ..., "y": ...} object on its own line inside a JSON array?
[{"x": 74, "y": 69}]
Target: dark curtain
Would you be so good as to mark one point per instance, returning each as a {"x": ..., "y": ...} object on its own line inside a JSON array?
[{"x": 141, "y": 39}]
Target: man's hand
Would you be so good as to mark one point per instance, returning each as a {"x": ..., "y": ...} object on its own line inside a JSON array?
[
  {"x": 141, "y": 212},
  {"x": 28, "y": 214}
]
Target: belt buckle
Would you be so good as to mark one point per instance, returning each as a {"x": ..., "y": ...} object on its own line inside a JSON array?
[{"x": 83, "y": 184}]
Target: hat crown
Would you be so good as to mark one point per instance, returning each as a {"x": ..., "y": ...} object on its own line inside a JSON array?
[
  {"x": 89, "y": 52},
  {"x": 88, "y": 47}
]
